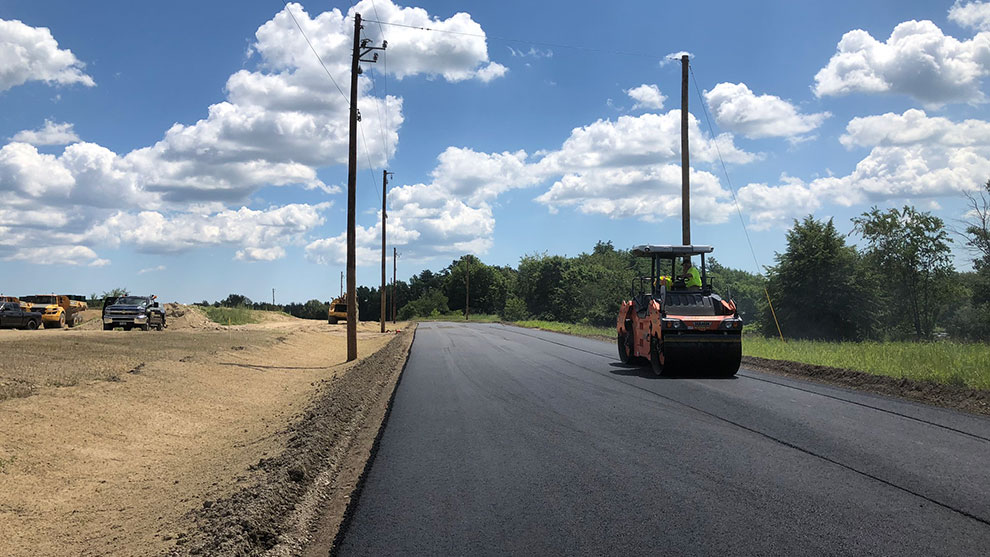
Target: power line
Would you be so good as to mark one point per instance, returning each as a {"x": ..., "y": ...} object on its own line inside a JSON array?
[
  {"x": 725, "y": 171},
  {"x": 334, "y": 81},
  {"x": 384, "y": 101},
  {"x": 520, "y": 41},
  {"x": 367, "y": 156},
  {"x": 735, "y": 200}
]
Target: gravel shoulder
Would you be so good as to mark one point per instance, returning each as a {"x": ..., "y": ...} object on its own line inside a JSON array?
[{"x": 118, "y": 440}]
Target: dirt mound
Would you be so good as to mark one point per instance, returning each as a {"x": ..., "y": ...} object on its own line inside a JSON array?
[
  {"x": 91, "y": 319},
  {"x": 180, "y": 316},
  {"x": 282, "y": 505},
  {"x": 928, "y": 392},
  {"x": 273, "y": 316}
]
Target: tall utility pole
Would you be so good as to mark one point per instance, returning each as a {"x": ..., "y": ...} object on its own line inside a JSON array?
[
  {"x": 467, "y": 287},
  {"x": 273, "y": 296},
  {"x": 361, "y": 49},
  {"x": 385, "y": 174},
  {"x": 685, "y": 164},
  {"x": 395, "y": 255}
]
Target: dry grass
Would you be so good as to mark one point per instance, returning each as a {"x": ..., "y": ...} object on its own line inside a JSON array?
[{"x": 38, "y": 359}]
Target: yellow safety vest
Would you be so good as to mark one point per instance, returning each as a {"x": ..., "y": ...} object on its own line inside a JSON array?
[{"x": 693, "y": 278}]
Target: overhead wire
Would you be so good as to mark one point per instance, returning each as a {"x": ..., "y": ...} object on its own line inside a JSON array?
[
  {"x": 732, "y": 190},
  {"x": 383, "y": 124},
  {"x": 512, "y": 40},
  {"x": 318, "y": 57}
]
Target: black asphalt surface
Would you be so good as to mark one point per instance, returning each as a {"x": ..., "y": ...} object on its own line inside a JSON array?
[{"x": 507, "y": 440}]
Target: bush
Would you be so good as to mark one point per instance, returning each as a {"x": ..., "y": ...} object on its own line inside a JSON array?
[
  {"x": 432, "y": 301},
  {"x": 515, "y": 309}
]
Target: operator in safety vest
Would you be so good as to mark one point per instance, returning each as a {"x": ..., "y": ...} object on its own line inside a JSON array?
[{"x": 690, "y": 274}]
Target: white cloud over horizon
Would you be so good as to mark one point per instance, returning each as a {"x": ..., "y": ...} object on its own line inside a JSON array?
[
  {"x": 279, "y": 123},
  {"x": 912, "y": 156}
]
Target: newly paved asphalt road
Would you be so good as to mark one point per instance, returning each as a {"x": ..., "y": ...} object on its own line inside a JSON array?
[{"x": 507, "y": 440}]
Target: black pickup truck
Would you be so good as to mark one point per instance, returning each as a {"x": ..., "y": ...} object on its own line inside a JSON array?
[
  {"x": 12, "y": 316},
  {"x": 129, "y": 312}
]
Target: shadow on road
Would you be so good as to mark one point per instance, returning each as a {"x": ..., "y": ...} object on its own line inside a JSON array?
[{"x": 644, "y": 371}]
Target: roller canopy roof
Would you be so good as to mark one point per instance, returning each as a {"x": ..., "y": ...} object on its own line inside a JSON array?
[{"x": 669, "y": 252}]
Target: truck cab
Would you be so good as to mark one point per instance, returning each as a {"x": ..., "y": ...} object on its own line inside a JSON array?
[
  {"x": 128, "y": 312},
  {"x": 13, "y": 316},
  {"x": 56, "y": 311}
]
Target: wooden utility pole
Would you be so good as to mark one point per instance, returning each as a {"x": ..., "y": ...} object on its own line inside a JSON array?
[
  {"x": 395, "y": 255},
  {"x": 385, "y": 174},
  {"x": 467, "y": 288},
  {"x": 685, "y": 163},
  {"x": 361, "y": 48},
  {"x": 273, "y": 296}
]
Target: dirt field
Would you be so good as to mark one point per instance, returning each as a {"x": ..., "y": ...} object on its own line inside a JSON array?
[{"x": 111, "y": 439}]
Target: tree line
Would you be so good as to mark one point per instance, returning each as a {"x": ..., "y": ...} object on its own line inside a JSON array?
[{"x": 901, "y": 284}]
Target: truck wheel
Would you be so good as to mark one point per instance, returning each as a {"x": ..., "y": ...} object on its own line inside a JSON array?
[
  {"x": 32, "y": 324},
  {"x": 107, "y": 327},
  {"x": 656, "y": 356},
  {"x": 145, "y": 327},
  {"x": 332, "y": 320}
]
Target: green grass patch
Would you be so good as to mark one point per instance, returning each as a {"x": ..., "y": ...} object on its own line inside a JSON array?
[
  {"x": 952, "y": 363},
  {"x": 230, "y": 316},
  {"x": 570, "y": 328},
  {"x": 459, "y": 316}
]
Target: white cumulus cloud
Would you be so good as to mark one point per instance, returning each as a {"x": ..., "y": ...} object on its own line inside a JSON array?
[
  {"x": 647, "y": 96},
  {"x": 32, "y": 54},
  {"x": 281, "y": 121},
  {"x": 736, "y": 108},
  {"x": 917, "y": 60},
  {"x": 912, "y": 157},
  {"x": 974, "y": 15},
  {"x": 52, "y": 133}
]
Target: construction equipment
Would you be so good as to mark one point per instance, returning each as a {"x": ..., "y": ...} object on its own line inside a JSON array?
[
  {"x": 338, "y": 311},
  {"x": 678, "y": 329},
  {"x": 679, "y": 326},
  {"x": 56, "y": 310}
]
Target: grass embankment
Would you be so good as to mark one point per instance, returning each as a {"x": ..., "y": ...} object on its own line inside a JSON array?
[
  {"x": 459, "y": 316},
  {"x": 567, "y": 328},
  {"x": 950, "y": 363},
  {"x": 230, "y": 316},
  {"x": 606, "y": 333}
]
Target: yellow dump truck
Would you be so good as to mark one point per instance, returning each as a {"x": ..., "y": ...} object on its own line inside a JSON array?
[{"x": 56, "y": 310}]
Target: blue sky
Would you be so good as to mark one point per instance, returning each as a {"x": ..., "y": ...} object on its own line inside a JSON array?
[{"x": 195, "y": 149}]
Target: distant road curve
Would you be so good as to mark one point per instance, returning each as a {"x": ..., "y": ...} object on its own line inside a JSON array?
[{"x": 509, "y": 440}]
